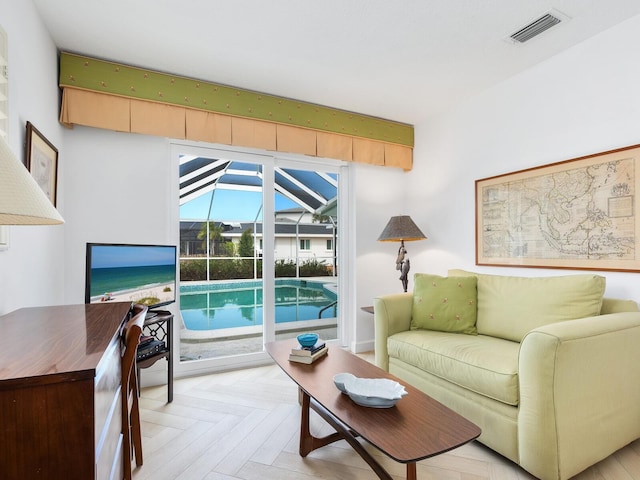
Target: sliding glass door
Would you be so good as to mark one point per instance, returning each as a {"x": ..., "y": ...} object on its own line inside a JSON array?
[{"x": 259, "y": 255}]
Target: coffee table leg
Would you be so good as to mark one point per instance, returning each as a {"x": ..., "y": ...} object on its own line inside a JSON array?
[
  {"x": 306, "y": 440},
  {"x": 308, "y": 443}
]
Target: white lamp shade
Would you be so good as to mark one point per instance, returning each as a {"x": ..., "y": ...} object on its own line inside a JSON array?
[{"x": 22, "y": 201}]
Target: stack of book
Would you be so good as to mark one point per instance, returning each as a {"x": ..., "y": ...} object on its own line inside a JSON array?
[{"x": 302, "y": 354}]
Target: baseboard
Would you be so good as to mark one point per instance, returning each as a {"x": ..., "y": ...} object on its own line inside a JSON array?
[{"x": 361, "y": 347}]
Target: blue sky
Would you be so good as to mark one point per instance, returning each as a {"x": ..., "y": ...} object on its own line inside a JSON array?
[
  {"x": 231, "y": 205},
  {"x": 105, "y": 256}
]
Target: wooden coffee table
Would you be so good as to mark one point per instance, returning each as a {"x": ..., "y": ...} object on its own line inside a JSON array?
[{"x": 417, "y": 427}]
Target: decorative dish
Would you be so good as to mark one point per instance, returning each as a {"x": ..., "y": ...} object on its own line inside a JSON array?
[
  {"x": 373, "y": 392},
  {"x": 339, "y": 380}
]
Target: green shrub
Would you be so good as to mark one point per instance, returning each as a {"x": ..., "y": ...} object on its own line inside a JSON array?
[
  {"x": 193, "y": 270},
  {"x": 314, "y": 268},
  {"x": 243, "y": 268},
  {"x": 285, "y": 268}
]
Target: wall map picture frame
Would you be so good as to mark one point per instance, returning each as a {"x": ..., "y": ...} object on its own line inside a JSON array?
[{"x": 575, "y": 214}]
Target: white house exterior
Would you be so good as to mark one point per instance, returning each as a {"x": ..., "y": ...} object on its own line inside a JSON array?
[{"x": 296, "y": 237}]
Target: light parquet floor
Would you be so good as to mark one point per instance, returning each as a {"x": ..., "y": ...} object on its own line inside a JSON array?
[{"x": 244, "y": 425}]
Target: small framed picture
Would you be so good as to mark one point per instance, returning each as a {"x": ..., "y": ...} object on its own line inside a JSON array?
[{"x": 42, "y": 162}]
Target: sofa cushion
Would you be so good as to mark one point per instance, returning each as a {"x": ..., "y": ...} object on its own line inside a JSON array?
[
  {"x": 446, "y": 304},
  {"x": 482, "y": 364},
  {"x": 509, "y": 307}
]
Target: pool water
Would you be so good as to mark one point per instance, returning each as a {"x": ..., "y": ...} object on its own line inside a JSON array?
[{"x": 218, "y": 306}]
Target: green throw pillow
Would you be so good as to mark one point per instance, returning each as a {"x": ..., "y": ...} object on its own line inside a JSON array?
[{"x": 446, "y": 304}]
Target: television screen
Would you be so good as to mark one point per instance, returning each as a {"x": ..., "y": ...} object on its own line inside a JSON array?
[{"x": 138, "y": 273}]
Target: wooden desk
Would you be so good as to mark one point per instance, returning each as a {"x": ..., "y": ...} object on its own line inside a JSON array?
[{"x": 60, "y": 392}]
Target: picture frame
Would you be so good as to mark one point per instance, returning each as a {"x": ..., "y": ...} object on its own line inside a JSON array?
[
  {"x": 575, "y": 214},
  {"x": 42, "y": 161}
]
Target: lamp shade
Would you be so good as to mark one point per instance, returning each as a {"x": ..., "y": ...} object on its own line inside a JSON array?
[
  {"x": 401, "y": 228},
  {"x": 22, "y": 201}
]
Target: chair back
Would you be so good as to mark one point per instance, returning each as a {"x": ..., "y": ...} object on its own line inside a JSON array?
[
  {"x": 132, "y": 436},
  {"x": 131, "y": 333}
]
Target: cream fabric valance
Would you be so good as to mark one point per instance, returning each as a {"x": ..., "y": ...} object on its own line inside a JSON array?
[{"x": 117, "y": 97}]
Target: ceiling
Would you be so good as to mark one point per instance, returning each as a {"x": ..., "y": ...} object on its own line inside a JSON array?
[{"x": 404, "y": 60}]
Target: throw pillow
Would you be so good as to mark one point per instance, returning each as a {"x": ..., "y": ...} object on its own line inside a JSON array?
[
  {"x": 446, "y": 304},
  {"x": 510, "y": 307}
]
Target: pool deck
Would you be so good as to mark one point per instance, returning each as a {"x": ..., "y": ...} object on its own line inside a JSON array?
[{"x": 222, "y": 347}]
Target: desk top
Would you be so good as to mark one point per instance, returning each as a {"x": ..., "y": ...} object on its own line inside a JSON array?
[{"x": 57, "y": 342}]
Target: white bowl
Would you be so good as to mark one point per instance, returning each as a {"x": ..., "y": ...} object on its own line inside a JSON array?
[
  {"x": 374, "y": 392},
  {"x": 339, "y": 380}
]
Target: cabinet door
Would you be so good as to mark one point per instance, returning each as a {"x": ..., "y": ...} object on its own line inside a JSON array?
[{"x": 47, "y": 430}]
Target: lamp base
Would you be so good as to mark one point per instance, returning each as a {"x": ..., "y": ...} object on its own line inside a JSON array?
[{"x": 403, "y": 264}]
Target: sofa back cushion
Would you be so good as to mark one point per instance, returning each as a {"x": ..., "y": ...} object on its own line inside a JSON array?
[
  {"x": 509, "y": 307},
  {"x": 446, "y": 304}
]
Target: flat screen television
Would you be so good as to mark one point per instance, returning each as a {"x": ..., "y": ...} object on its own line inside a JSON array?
[{"x": 143, "y": 274}]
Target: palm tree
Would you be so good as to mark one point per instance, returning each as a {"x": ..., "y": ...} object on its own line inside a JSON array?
[{"x": 215, "y": 235}]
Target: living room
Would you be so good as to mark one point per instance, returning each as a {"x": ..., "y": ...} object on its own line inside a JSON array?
[{"x": 116, "y": 187}]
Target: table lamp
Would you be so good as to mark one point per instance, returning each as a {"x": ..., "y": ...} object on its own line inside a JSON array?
[
  {"x": 400, "y": 229},
  {"x": 22, "y": 201}
]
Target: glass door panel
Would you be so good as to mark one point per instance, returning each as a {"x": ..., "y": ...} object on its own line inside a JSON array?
[
  {"x": 221, "y": 292},
  {"x": 306, "y": 277}
]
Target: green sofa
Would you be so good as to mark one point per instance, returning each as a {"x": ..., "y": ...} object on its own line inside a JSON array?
[{"x": 546, "y": 367}]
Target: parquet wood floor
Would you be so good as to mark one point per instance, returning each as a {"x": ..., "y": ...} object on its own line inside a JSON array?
[{"x": 244, "y": 425}]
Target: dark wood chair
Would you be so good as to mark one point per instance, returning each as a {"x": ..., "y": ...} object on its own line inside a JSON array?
[{"x": 132, "y": 434}]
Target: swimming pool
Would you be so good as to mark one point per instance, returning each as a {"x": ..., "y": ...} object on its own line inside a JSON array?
[{"x": 223, "y": 305}]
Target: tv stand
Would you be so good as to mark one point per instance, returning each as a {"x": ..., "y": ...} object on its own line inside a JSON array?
[{"x": 160, "y": 326}]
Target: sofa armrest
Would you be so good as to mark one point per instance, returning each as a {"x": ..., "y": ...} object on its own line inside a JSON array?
[
  {"x": 579, "y": 393},
  {"x": 392, "y": 314}
]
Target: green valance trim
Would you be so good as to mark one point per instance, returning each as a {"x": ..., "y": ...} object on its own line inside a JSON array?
[{"x": 132, "y": 82}]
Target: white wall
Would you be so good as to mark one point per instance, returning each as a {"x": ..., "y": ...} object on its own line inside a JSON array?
[
  {"x": 119, "y": 190},
  {"x": 380, "y": 193},
  {"x": 583, "y": 101},
  {"x": 31, "y": 271}
]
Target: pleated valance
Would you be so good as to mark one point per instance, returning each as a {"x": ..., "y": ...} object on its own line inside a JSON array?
[{"x": 117, "y": 97}]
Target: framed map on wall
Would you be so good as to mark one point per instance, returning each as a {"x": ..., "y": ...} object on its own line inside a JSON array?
[{"x": 575, "y": 214}]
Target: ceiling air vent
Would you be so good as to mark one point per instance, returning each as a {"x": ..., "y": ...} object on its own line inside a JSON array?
[{"x": 536, "y": 27}]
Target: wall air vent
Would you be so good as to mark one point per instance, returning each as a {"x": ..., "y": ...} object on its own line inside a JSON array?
[{"x": 536, "y": 27}]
